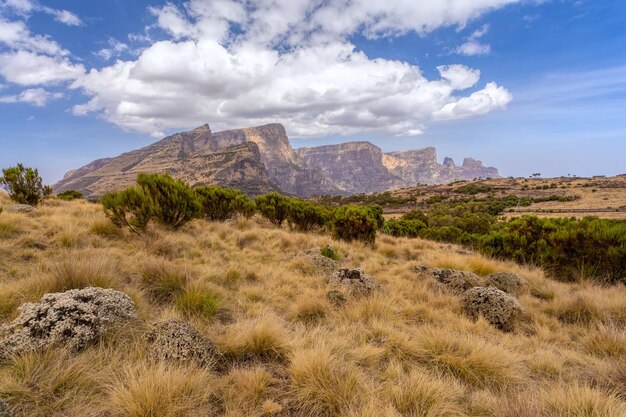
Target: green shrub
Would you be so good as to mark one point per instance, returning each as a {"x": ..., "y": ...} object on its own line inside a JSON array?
[
  {"x": 377, "y": 214},
  {"x": 274, "y": 207},
  {"x": 70, "y": 195},
  {"x": 329, "y": 252},
  {"x": 354, "y": 223},
  {"x": 244, "y": 206},
  {"x": 403, "y": 228},
  {"x": 415, "y": 215},
  {"x": 174, "y": 202},
  {"x": 306, "y": 216},
  {"x": 24, "y": 185},
  {"x": 473, "y": 189},
  {"x": 132, "y": 208}
]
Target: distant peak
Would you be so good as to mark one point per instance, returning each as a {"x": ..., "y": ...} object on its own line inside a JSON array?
[{"x": 203, "y": 128}]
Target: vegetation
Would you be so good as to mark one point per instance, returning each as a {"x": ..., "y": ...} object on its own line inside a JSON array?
[
  {"x": 70, "y": 195},
  {"x": 306, "y": 216},
  {"x": 131, "y": 207},
  {"x": 354, "y": 223},
  {"x": 220, "y": 204},
  {"x": 24, "y": 185},
  {"x": 274, "y": 207},
  {"x": 173, "y": 202}
]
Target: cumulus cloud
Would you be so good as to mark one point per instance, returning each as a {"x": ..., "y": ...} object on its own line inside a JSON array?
[
  {"x": 473, "y": 46},
  {"x": 235, "y": 63},
  {"x": 27, "y": 7},
  {"x": 35, "y": 96},
  {"x": 115, "y": 49}
]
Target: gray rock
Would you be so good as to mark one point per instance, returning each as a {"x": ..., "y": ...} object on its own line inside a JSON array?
[
  {"x": 353, "y": 281},
  {"x": 4, "y": 410},
  {"x": 456, "y": 281},
  {"x": 20, "y": 208},
  {"x": 72, "y": 319},
  {"x": 506, "y": 281},
  {"x": 336, "y": 298},
  {"x": 179, "y": 341},
  {"x": 497, "y": 307}
]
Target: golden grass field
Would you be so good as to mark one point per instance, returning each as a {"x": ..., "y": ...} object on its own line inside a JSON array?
[
  {"x": 407, "y": 350},
  {"x": 603, "y": 197}
]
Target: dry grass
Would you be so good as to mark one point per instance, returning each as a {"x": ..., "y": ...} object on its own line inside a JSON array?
[{"x": 407, "y": 350}]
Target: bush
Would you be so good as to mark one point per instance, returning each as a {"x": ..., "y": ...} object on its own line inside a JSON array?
[
  {"x": 305, "y": 216},
  {"x": 132, "y": 208},
  {"x": 24, "y": 185},
  {"x": 354, "y": 223},
  {"x": 70, "y": 195},
  {"x": 403, "y": 228},
  {"x": 377, "y": 214},
  {"x": 274, "y": 207},
  {"x": 218, "y": 204},
  {"x": 174, "y": 202},
  {"x": 415, "y": 215}
]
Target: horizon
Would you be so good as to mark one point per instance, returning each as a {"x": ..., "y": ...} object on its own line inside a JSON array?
[{"x": 522, "y": 86}]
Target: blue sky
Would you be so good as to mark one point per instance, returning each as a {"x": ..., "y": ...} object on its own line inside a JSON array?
[{"x": 527, "y": 86}]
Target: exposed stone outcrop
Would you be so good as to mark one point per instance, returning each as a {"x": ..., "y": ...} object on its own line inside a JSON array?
[
  {"x": 72, "y": 319},
  {"x": 19, "y": 208},
  {"x": 500, "y": 309},
  {"x": 508, "y": 282},
  {"x": 336, "y": 298},
  {"x": 353, "y": 281},
  {"x": 178, "y": 341},
  {"x": 455, "y": 281}
]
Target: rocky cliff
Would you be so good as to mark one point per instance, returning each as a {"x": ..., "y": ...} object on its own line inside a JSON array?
[{"x": 261, "y": 159}]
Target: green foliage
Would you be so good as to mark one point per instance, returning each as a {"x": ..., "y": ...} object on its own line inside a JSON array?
[
  {"x": 24, "y": 185},
  {"x": 415, "y": 215},
  {"x": 274, "y": 207},
  {"x": 473, "y": 189},
  {"x": 131, "y": 207},
  {"x": 174, "y": 202},
  {"x": 198, "y": 301},
  {"x": 329, "y": 252},
  {"x": 306, "y": 216},
  {"x": 70, "y": 195},
  {"x": 385, "y": 199},
  {"x": 220, "y": 204},
  {"x": 403, "y": 228},
  {"x": 377, "y": 214},
  {"x": 354, "y": 223}
]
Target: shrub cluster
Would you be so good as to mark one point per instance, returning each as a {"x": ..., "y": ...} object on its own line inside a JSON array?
[
  {"x": 355, "y": 223},
  {"x": 70, "y": 195},
  {"x": 221, "y": 204},
  {"x": 24, "y": 185}
]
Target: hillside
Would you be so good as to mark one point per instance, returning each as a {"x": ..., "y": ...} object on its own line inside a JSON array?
[
  {"x": 258, "y": 159},
  {"x": 279, "y": 346}
]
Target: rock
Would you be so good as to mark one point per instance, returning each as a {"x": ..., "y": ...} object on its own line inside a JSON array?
[
  {"x": 497, "y": 307},
  {"x": 72, "y": 319},
  {"x": 336, "y": 298},
  {"x": 20, "y": 208},
  {"x": 354, "y": 281},
  {"x": 506, "y": 281},
  {"x": 179, "y": 341},
  {"x": 456, "y": 281},
  {"x": 4, "y": 410}
]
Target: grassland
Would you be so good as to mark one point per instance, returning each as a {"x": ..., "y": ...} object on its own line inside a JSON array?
[{"x": 407, "y": 350}]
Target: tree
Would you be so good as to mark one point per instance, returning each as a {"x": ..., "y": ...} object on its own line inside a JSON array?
[
  {"x": 174, "y": 202},
  {"x": 23, "y": 184},
  {"x": 273, "y": 206}
]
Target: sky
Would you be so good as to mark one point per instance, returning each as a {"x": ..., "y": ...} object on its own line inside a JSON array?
[{"x": 524, "y": 85}]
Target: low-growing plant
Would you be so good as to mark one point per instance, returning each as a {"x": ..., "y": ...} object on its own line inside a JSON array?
[
  {"x": 70, "y": 195},
  {"x": 306, "y": 216},
  {"x": 198, "y": 300},
  {"x": 131, "y": 207},
  {"x": 24, "y": 185},
  {"x": 220, "y": 204},
  {"x": 174, "y": 202},
  {"x": 403, "y": 228}
]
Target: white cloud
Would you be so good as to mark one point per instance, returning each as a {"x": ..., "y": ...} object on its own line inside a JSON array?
[
  {"x": 27, "y": 7},
  {"x": 115, "y": 49},
  {"x": 63, "y": 16},
  {"x": 15, "y": 35},
  {"x": 473, "y": 46},
  {"x": 35, "y": 96},
  {"x": 29, "y": 68},
  {"x": 288, "y": 61}
]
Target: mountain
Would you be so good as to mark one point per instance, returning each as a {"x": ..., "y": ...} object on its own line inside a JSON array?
[{"x": 261, "y": 159}]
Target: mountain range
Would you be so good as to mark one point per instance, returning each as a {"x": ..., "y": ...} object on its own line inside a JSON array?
[{"x": 260, "y": 159}]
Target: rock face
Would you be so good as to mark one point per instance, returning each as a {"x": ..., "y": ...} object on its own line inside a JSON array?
[
  {"x": 354, "y": 281},
  {"x": 20, "y": 208},
  {"x": 71, "y": 319},
  {"x": 497, "y": 307},
  {"x": 260, "y": 159},
  {"x": 178, "y": 341}
]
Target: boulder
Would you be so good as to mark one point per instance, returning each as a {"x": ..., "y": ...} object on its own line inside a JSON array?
[
  {"x": 354, "y": 281},
  {"x": 179, "y": 341},
  {"x": 456, "y": 281},
  {"x": 4, "y": 410},
  {"x": 508, "y": 282},
  {"x": 20, "y": 208},
  {"x": 497, "y": 307},
  {"x": 72, "y": 319},
  {"x": 336, "y": 298}
]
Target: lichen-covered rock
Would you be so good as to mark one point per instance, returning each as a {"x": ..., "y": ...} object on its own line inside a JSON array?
[
  {"x": 336, "y": 298},
  {"x": 497, "y": 307},
  {"x": 20, "y": 208},
  {"x": 354, "y": 281},
  {"x": 179, "y": 341},
  {"x": 71, "y": 319},
  {"x": 456, "y": 281},
  {"x": 4, "y": 410},
  {"x": 506, "y": 281}
]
